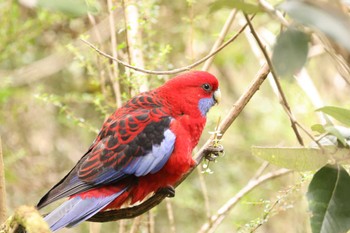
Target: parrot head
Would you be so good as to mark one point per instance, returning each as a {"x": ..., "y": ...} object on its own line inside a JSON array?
[{"x": 193, "y": 93}]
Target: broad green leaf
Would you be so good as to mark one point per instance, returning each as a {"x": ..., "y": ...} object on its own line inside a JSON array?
[
  {"x": 340, "y": 114},
  {"x": 318, "y": 128},
  {"x": 242, "y": 5},
  {"x": 73, "y": 8},
  {"x": 328, "y": 197},
  {"x": 301, "y": 159},
  {"x": 335, "y": 130},
  {"x": 290, "y": 52},
  {"x": 321, "y": 16}
]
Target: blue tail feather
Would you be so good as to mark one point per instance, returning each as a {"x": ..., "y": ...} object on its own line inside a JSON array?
[{"x": 77, "y": 210}]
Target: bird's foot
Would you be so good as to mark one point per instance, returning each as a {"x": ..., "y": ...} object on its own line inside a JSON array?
[
  {"x": 168, "y": 190},
  {"x": 212, "y": 152}
]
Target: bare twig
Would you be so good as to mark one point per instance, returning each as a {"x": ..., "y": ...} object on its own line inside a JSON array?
[
  {"x": 114, "y": 73},
  {"x": 237, "y": 108},
  {"x": 122, "y": 226},
  {"x": 215, "y": 220},
  {"x": 150, "y": 223},
  {"x": 2, "y": 187},
  {"x": 94, "y": 227},
  {"x": 204, "y": 191},
  {"x": 168, "y": 72},
  {"x": 275, "y": 77},
  {"x": 136, "y": 225},
  {"x": 134, "y": 46},
  {"x": 221, "y": 38},
  {"x": 99, "y": 63},
  {"x": 267, "y": 7},
  {"x": 170, "y": 216}
]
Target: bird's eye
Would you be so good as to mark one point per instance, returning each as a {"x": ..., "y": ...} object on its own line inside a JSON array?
[{"x": 206, "y": 87}]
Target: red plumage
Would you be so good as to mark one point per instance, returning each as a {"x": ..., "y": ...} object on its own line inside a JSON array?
[{"x": 144, "y": 146}]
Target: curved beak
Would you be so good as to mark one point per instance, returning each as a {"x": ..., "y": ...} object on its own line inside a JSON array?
[{"x": 217, "y": 96}]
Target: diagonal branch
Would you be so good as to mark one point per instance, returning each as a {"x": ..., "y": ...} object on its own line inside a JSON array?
[
  {"x": 215, "y": 220},
  {"x": 279, "y": 87},
  {"x": 131, "y": 212},
  {"x": 169, "y": 72}
]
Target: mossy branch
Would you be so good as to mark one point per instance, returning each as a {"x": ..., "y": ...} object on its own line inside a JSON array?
[{"x": 25, "y": 219}]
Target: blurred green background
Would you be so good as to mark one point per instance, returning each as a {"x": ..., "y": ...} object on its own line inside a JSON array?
[{"x": 55, "y": 93}]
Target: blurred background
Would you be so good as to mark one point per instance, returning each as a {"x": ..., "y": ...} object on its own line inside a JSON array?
[{"x": 56, "y": 91}]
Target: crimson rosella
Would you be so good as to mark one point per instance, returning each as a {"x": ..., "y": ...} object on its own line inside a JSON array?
[{"x": 143, "y": 147}]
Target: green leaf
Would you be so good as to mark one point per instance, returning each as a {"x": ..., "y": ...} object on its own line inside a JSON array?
[
  {"x": 290, "y": 52},
  {"x": 321, "y": 16},
  {"x": 301, "y": 159},
  {"x": 337, "y": 132},
  {"x": 246, "y": 7},
  {"x": 318, "y": 128},
  {"x": 73, "y": 8},
  {"x": 340, "y": 114},
  {"x": 328, "y": 197}
]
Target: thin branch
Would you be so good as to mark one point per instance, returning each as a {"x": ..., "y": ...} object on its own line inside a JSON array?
[
  {"x": 114, "y": 73},
  {"x": 2, "y": 187},
  {"x": 135, "y": 227},
  {"x": 131, "y": 212},
  {"x": 221, "y": 38},
  {"x": 267, "y": 7},
  {"x": 279, "y": 87},
  {"x": 170, "y": 216},
  {"x": 204, "y": 191},
  {"x": 215, "y": 220},
  {"x": 150, "y": 223},
  {"x": 169, "y": 72}
]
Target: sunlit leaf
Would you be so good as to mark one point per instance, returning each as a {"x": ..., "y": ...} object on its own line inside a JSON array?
[
  {"x": 242, "y": 5},
  {"x": 340, "y": 114},
  {"x": 328, "y": 198},
  {"x": 301, "y": 159},
  {"x": 320, "y": 16},
  {"x": 334, "y": 130},
  {"x": 290, "y": 52},
  {"x": 318, "y": 128},
  {"x": 72, "y": 8}
]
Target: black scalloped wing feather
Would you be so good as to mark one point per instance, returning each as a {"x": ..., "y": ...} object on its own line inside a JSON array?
[{"x": 124, "y": 143}]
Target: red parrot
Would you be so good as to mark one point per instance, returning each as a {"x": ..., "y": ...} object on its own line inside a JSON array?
[{"x": 143, "y": 147}]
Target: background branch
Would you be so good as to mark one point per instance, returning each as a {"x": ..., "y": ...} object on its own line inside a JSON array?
[
  {"x": 2, "y": 187},
  {"x": 169, "y": 72},
  {"x": 275, "y": 77},
  {"x": 215, "y": 220}
]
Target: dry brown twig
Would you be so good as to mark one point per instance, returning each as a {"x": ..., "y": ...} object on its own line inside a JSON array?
[
  {"x": 215, "y": 220},
  {"x": 284, "y": 101},
  {"x": 168, "y": 72}
]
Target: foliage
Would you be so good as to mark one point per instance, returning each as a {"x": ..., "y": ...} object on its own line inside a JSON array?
[
  {"x": 328, "y": 193},
  {"x": 55, "y": 92}
]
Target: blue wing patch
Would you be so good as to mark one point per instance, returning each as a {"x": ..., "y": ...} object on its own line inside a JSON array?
[
  {"x": 154, "y": 160},
  {"x": 77, "y": 210}
]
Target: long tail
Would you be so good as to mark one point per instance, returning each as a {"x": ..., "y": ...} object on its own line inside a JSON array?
[{"x": 77, "y": 210}]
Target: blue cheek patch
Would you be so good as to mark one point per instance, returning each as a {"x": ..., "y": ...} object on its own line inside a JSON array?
[{"x": 205, "y": 104}]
